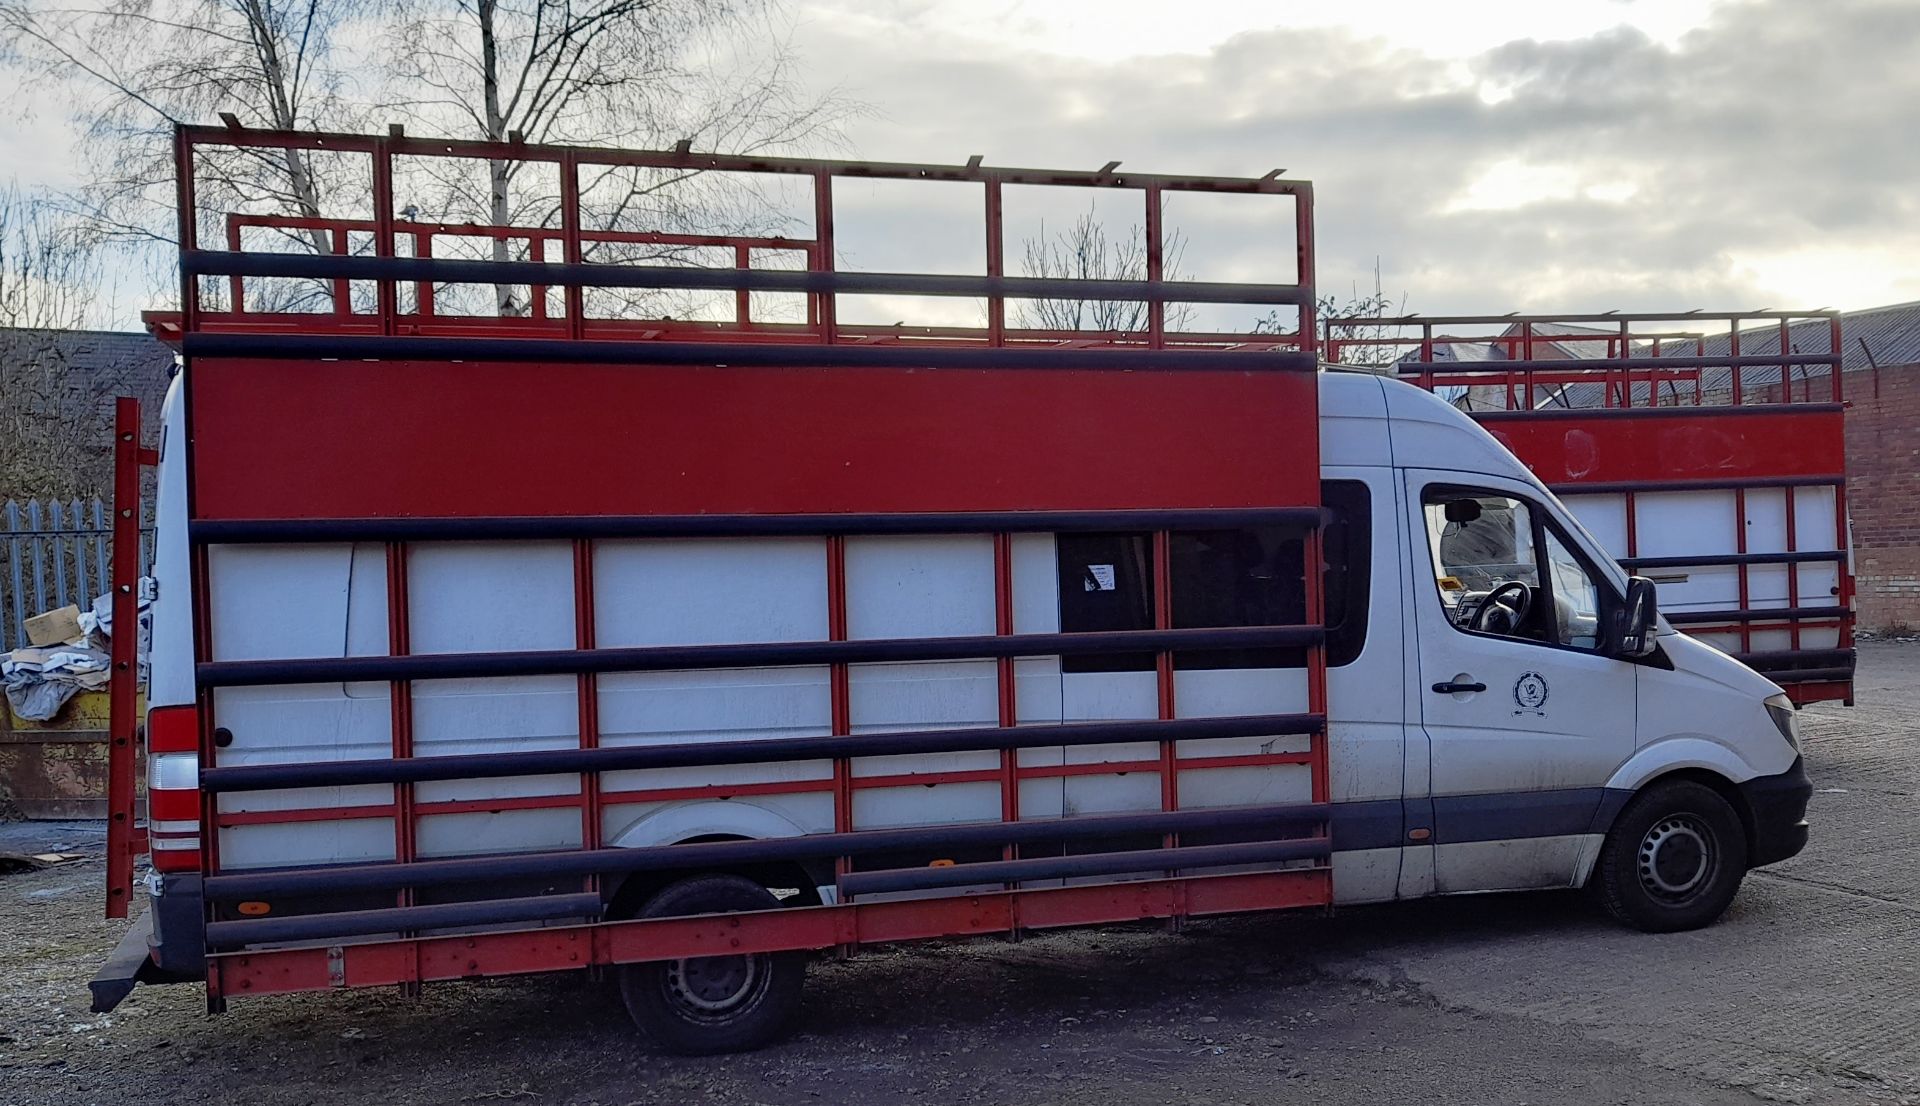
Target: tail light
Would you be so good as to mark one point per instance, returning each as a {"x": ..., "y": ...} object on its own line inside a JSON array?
[{"x": 173, "y": 788}]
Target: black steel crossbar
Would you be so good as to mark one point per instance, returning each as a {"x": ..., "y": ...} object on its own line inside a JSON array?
[
  {"x": 1702, "y": 484},
  {"x": 1708, "y": 410},
  {"x": 348, "y": 347},
  {"x": 1754, "y": 614},
  {"x": 1781, "y": 658},
  {"x": 590, "y": 275},
  {"x": 1086, "y": 864},
  {"x": 664, "y": 658},
  {"x": 534, "y": 527},
  {"x": 235, "y": 887},
  {"x": 358, "y": 923},
  {"x": 277, "y": 777},
  {"x": 1563, "y": 364},
  {"x": 1718, "y": 560}
]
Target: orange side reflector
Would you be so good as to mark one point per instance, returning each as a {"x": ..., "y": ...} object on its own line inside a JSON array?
[{"x": 254, "y": 909}]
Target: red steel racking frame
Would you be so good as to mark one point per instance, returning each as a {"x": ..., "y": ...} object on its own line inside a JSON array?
[
  {"x": 290, "y": 419},
  {"x": 1681, "y": 435}
]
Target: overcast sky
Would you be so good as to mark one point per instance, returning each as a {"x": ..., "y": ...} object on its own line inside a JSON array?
[
  {"x": 1573, "y": 154},
  {"x": 1494, "y": 155}
]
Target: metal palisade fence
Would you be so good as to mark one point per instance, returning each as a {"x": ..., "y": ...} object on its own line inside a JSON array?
[{"x": 54, "y": 553}]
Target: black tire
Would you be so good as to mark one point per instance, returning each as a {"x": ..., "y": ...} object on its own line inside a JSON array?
[
  {"x": 714, "y": 1004},
  {"x": 1673, "y": 860}
]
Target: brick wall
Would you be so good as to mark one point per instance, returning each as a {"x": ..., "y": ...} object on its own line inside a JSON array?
[{"x": 1883, "y": 494}]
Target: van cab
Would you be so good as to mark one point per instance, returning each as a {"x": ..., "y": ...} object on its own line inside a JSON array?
[{"x": 1540, "y": 747}]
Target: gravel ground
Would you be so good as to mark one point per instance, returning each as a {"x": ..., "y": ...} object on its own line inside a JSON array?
[{"x": 1808, "y": 991}]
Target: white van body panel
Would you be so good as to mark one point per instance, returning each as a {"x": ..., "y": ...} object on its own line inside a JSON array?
[
  {"x": 1399, "y": 764},
  {"x": 1705, "y": 713},
  {"x": 170, "y": 672}
]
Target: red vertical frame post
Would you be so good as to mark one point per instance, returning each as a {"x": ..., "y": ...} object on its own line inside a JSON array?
[
  {"x": 825, "y": 305},
  {"x": 570, "y": 248},
  {"x": 125, "y": 656},
  {"x": 399, "y": 644},
  {"x": 189, "y": 229},
  {"x": 1156, "y": 270},
  {"x": 742, "y": 299},
  {"x": 1792, "y": 566},
  {"x": 423, "y": 290},
  {"x": 386, "y": 289},
  {"x": 1733, "y": 352},
  {"x": 996, "y": 262},
  {"x": 236, "y": 284},
  {"x": 588, "y": 690},
  {"x": 343, "y": 288}
]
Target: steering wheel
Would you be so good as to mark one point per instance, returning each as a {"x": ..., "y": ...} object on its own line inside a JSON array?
[{"x": 1514, "y": 613}]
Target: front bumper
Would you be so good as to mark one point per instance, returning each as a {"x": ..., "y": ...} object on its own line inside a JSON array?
[{"x": 1778, "y": 804}]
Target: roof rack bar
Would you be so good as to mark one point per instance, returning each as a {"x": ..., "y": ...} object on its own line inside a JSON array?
[
  {"x": 1496, "y": 368},
  {"x": 1576, "y": 317},
  {"x": 679, "y": 158},
  {"x": 554, "y": 274}
]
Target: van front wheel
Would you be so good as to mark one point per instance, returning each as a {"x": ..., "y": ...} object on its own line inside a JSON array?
[
  {"x": 709, "y": 1004},
  {"x": 1674, "y": 859}
]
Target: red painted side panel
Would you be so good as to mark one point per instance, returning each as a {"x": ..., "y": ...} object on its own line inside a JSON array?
[
  {"x": 332, "y": 439},
  {"x": 1777, "y": 441}
]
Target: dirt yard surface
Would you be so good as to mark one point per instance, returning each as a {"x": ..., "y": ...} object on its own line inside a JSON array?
[{"x": 1808, "y": 991}]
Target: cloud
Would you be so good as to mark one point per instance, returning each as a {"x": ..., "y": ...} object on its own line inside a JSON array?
[{"x": 1615, "y": 169}]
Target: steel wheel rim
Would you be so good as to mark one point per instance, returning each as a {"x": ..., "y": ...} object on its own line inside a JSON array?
[
  {"x": 1677, "y": 858},
  {"x": 714, "y": 987}
]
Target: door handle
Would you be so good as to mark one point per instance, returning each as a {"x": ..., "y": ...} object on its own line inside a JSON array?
[{"x": 1453, "y": 688}]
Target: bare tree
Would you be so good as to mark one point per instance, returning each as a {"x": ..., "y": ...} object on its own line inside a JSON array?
[
  {"x": 271, "y": 63},
  {"x": 1084, "y": 251},
  {"x": 1358, "y": 305},
  {"x": 583, "y": 71},
  {"x": 48, "y": 270},
  {"x": 715, "y": 73}
]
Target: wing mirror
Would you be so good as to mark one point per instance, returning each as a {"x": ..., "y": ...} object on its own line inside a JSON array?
[{"x": 1636, "y": 621}]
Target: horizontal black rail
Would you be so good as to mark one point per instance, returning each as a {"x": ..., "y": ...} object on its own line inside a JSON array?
[
  {"x": 358, "y": 923},
  {"x": 1086, "y": 864},
  {"x": 592, "y": 275},
  {"x": 525, "y": 527},
  {"x": 1806, "y": 675},
  {"x": 665, "y": 658},
  {"x": 1514, "y": 318},
  {"x": 1754, "y": 614},
  {"x": 1705, "y": 410},
  {"x": 1721, "y": 560},
  {"x": 277, "y": 777},
  {"x": 350, "y": 347},
  {"x": 1700, "y": 484},
  {"x": 237, "y": 887},
  {"x": 1598, "y": 364},
  {"x": 1782, "y": 657}
]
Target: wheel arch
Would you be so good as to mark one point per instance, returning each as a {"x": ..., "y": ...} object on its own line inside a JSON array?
[
  {"x": 709, "y": 821},
  {"x": 1617, "y": 799}
]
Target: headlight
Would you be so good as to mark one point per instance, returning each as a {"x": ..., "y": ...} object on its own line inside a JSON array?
[{"x": 1785, "y": 717}]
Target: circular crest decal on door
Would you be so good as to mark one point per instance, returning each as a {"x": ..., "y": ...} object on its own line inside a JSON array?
[{"x": 1530, "y": 691}]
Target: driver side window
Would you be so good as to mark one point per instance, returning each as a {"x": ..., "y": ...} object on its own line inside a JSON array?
[
  {"x": 1483, "y": 560},
  {"x": 1500, "y": 570}
]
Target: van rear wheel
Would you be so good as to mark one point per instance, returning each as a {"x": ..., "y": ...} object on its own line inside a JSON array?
[
  {"x": 709, "y": 1004},
  {"x": 1673, "y": 860}
]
